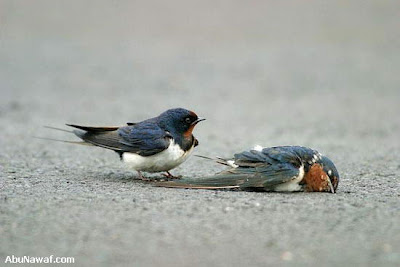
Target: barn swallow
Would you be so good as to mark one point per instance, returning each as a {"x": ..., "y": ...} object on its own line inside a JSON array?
[
  {"x": 158, "y": 144},
  {"x": 279, "y": 169}
]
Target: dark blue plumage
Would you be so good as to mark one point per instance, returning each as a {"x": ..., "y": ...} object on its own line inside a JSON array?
[
  {"x": 283, "y": 168},
  {"x": 157, "y": 144}
]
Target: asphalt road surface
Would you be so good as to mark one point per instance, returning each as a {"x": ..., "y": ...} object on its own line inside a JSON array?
[{"x": 322, "y": 75}]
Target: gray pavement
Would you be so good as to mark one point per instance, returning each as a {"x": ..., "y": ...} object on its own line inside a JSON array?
[{"x": 323, "y": 75}]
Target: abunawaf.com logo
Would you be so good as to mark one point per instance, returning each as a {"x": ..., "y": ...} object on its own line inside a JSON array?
[{"x": 30, "y": 259}]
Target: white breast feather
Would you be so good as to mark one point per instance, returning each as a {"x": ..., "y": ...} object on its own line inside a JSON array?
[
  {"x": 292, "y": 185},
  {"x": 163, "y": 161}
]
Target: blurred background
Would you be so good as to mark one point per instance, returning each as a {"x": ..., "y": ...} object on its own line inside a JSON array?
[
  {"x": 106, "y": 62},
  {"x": 323, "y": 74}
]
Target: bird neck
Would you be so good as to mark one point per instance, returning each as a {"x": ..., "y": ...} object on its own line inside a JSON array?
[
  {"x": 188, "y": 134},
  {"x": 185, "y": 142},
  {"x": 316, "y": 179}
]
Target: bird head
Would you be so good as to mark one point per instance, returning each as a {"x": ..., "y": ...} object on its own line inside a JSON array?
[
  {"x": 179, "y": 120},
  {"x": 331, "y": 172}
]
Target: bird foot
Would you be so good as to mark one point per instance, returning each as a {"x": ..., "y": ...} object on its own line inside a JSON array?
[
  {"x": 141, "y": 177},
  {"x": 170, "y": 176}
]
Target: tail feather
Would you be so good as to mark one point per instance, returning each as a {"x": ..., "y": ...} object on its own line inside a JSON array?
[
  {"x": 58, "y": 129},
  {"x": 190, "y": 186},
  {"x": 94, "y": 129},
  {"x": 76, "y": 132},
  {"x": 218, "y": 181},
  {"x": 64, "y": 141},
  {"x": 218, "y": 160},
  {"x": 204, "y": 157}
]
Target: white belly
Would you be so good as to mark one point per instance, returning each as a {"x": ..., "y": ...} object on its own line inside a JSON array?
[
  {"x": 163, "y": 161},
  {"x": 293, "y": 185}
]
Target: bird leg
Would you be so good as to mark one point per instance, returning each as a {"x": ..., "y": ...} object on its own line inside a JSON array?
[
  {"x": 170, "y": 176},
  {"x": 142, "y": 177}
]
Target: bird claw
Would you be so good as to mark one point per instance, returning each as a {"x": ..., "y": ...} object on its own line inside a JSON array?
[
  {"x": 170, "y": 176},
  {"x": 141, "y": 177}
]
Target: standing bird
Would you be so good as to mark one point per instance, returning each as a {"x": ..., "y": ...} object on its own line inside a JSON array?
[
  {"x": 158, "y": 144},
  {"x": 279, "y": 169}
]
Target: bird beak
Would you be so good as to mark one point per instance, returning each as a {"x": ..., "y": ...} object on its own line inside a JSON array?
[
  {"x": 198, "y": 120},
  {"x": 331, "y": 186}
]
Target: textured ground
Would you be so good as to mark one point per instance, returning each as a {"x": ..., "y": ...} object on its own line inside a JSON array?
[{"x": 323, "y": 75}]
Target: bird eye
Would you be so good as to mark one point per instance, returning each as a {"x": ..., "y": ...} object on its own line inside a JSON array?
[{"x": 188, "y": 120}]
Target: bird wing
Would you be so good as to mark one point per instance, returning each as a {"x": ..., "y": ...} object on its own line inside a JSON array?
[
  {"x": 255, "y": 170},
  {"x": 145, "y": 139},
  {"x": 270, "y": 155}
]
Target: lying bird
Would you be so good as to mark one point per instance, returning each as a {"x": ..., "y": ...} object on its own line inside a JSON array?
[
  {"x": 279, "y": 169},
  {"x": 158, "y": 144}
]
